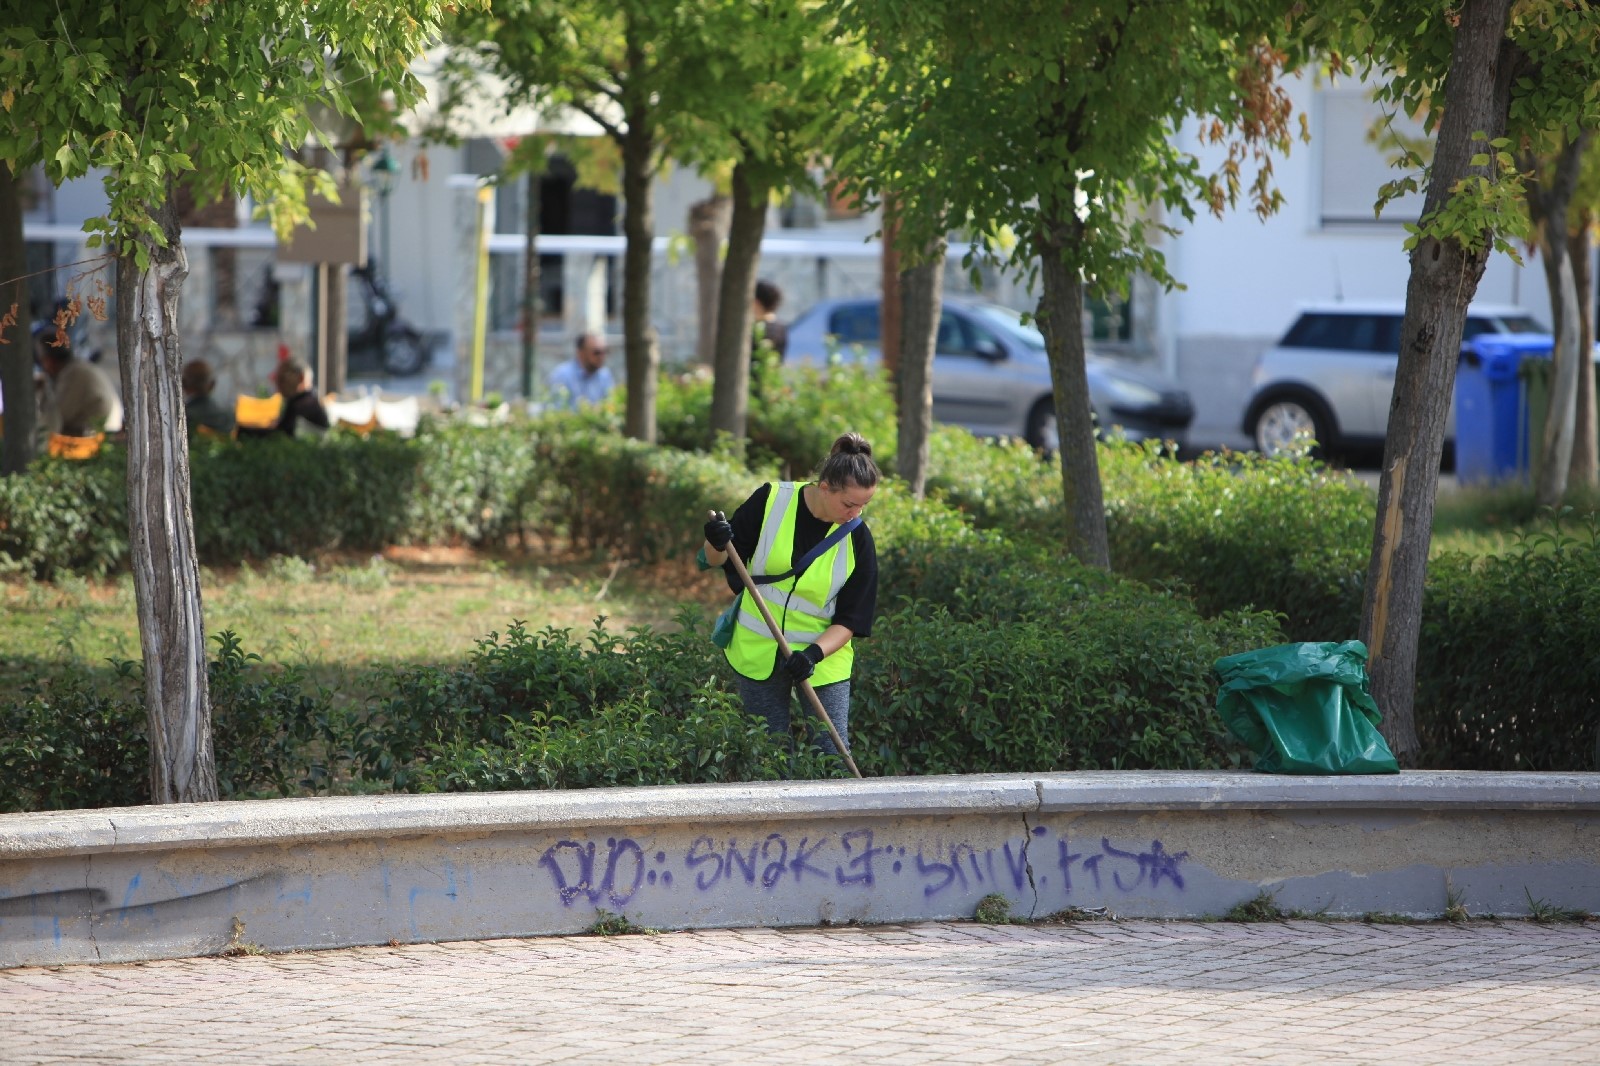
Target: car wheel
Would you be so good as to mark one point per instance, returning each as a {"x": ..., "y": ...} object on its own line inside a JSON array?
[
  {"x": 1042, "y": 431},
  {"x": 404, "y": 353},
  {"x": 1290, "y": 426}
]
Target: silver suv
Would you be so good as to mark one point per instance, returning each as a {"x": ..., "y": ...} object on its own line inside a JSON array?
[{"x": 1331, "y": 377}]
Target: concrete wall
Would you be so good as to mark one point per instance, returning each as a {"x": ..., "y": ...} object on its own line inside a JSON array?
[{"x": 152, "y": 882}]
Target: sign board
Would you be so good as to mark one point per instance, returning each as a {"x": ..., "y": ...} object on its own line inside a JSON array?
[{"x": 340, "y": 233}]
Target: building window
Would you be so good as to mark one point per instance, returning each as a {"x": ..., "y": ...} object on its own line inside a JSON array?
[{"x": 1355, "y": 165}]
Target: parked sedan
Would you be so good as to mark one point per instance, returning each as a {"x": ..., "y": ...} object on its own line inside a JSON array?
[{"x": 991, "y": 375}]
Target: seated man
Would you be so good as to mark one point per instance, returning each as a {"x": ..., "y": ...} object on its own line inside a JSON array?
[
  {"x": 199, "y": 408},
  {"x": 300, "y": 404},
  {"x": 584, "y": 379},
  {"x": 79, "y": 400}
]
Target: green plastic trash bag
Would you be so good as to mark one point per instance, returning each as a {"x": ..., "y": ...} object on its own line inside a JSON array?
[{"x": 1305, "y": 709}]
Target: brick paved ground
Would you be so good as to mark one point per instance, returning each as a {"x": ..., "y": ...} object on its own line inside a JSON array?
[{"x": 1135, "y": 992}]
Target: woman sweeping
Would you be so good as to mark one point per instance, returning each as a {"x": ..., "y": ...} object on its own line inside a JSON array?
[{"x": 805, "y": 544}]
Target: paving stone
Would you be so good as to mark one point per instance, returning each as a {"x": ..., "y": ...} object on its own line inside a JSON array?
[{"x": 1097, "y": 991}]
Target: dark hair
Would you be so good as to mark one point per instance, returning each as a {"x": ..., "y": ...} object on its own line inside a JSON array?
[
  {"x": 849, "y": 462},
  {"x": 769, "y": 296},
  {"x": 197, "y": 377}
]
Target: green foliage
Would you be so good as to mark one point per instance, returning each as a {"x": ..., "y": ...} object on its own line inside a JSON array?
[
  {"x": 271, "y": 736},
  {"x": 609, "y": 924},
  {"x": 210, "y": 93},
  {"x": 1499, "y": 684},
  {"x": 1552, "y": 46},
  {"x": 74, "y": 738},
  {"x": 1000, "y": 659},
  {"x": 1016, "y": 122},
  {"x": 993, "y": 909},
  {"x": 630, "y": 498},
  {"x": 1262, "y": 908},
  {"x": 1236, "y": 530},
  {"x": 65, "y": 517},
  {"x": 795, "y": 415},
  {"x": 536, "y": 710}
]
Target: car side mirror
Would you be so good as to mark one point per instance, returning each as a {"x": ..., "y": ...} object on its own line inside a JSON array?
[{"x": 989, "y": 349}]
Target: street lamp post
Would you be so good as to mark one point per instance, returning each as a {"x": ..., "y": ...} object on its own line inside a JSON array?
[{"x": 384, "y": 172}]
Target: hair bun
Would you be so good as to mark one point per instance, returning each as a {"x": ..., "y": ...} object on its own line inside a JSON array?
[{"x": 851, "y": 444}]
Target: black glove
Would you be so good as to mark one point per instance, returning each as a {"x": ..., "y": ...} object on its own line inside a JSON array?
[
  {"x": 802, "y": 663},
  {"x": 719, "y": 531}
]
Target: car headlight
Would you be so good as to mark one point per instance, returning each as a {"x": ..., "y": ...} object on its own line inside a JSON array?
[{"x": 1125, "y": 393}]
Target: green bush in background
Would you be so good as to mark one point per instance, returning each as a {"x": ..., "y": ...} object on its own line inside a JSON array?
[
  {"x": 1507, "y": 677},
  {"x": 66, "y": 517},
  {"x": 1239, "y": 531}
]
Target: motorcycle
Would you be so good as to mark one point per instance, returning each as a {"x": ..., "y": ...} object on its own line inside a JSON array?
[{"x": 381, "y": 335}]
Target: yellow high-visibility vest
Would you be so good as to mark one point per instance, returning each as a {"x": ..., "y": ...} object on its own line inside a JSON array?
[{"x": 802, "y": 605}]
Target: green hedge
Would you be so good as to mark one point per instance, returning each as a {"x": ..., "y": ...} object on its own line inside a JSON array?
[
  {"x": 1239, "y": 531},
  {"x": 1507, "y": 677},
  {"x": 75, "y": 737}
]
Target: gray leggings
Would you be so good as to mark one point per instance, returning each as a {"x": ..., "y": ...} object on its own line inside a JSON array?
[{"x": 769, "y": 699}]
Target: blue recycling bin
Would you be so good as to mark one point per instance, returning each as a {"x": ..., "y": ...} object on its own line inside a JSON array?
[{"x": 1492, "y": 442}]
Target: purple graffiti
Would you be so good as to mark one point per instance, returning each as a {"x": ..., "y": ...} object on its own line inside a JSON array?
[
  {"x": 570, "y": 888},
  {"x": 1154, "y": 864},
  {"x": 861, "y": 863}
]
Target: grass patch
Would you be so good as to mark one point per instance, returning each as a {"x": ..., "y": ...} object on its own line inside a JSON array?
[
  {"x": 1263, "y": 908},
  {"x": 1546, "y": 913},
  {"x": 346, "y": 620},
  {"x": 1489, "y": 521},
  {"x": 993, "y": 909},
  {"x": 609, "y": 924}
]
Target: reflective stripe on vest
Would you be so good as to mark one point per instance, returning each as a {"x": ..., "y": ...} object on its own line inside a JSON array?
[{"x": 802, "y": 605}]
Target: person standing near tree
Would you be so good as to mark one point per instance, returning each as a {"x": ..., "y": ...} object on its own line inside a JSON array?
[{"x": 822, "y": 600}]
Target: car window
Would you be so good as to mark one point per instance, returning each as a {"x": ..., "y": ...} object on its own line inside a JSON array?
[
  {"x": 1476, "y": 327},
  {"x": 979, "y": 337},
  {"x": 1345, "y": 332},
  {"x": 952, "y": 338},
  {"x": 1522, "y": 324},
  {"x": 856, "y": 324},
  {"x": 1010, "y": 323}
]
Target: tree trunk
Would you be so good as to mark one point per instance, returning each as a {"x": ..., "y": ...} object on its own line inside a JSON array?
[
  {"x": 530, "y": 288},
  {"x": 166, "y": 577},
  {"x": 1560, "y": 421},
  {"x": 1061, "y": 319},
  {"x": 889, "y": 345},
  {"x": 638, "y": 228},
  {"x": 730, "y": 390},
  {"x": 16, "y": 355},
  {"x": 1586, "y": 431},
  {"x": 708, "y": 228},
  {"x": 338, "y": 356},
  {"x": 921, "y": 299},
  {"x": 1444, "y": 277}
]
